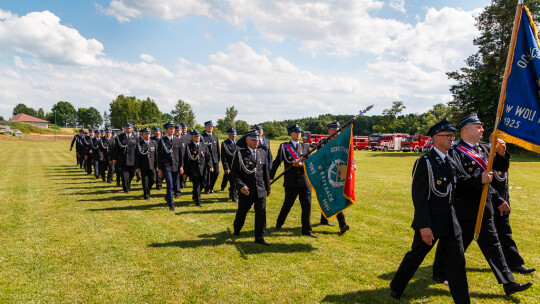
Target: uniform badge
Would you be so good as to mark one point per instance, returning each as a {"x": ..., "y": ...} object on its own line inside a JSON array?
[
  {"x": 470, "y": 169},
  {"x": 473, "y": 162},
  {"x": 250, "y": 163},
  {"x": 439, "y": 182},
  {"x": 152, "y": 149},
  {"x": 444, "y": 178},
  {"x": 288, "y": 157},
  {"x": 499, "y": 172}
]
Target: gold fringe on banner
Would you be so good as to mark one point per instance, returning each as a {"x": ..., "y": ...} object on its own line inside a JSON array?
[{"x": 517, "y": 141}]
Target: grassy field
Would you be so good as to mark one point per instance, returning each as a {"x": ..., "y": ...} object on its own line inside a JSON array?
[{"x": 66, "y": 237}]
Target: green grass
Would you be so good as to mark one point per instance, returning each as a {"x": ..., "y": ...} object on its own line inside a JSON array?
[{"x": 65, "y": 237}]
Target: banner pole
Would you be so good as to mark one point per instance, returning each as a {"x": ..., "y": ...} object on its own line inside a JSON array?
[
  {"x": 500, "y": 108},
  {"x": 324, "y": 141},
  {"x": 55, "y": 125},
  {"x": 74, "y": 123}
]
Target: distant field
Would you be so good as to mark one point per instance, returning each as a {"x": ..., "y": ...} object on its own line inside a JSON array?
[{"x": 66, "y": 237}]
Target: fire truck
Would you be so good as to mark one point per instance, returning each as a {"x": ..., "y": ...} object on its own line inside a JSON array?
[
  {"x": 361, "y": 142},
  {"x": 414, "y": 143},
  {"x": 312, "y": 139},
  {"x": 386, "y": 142}
]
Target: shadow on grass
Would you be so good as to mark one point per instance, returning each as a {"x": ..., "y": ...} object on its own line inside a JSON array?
[
  {"x": 212, "y": 211},
  {"x": 244, "y": 247},
  {"x": 295, "y": 232},
  {"x": 137, "y": 207},
  {"x": 395, "y": 154},
  {"x": 418, "y": 288}
]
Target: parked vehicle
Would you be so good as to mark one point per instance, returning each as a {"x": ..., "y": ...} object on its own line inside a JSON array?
[
  {"x": 427, "y": 146},
  {"x": 414, "y": 143},
  {"x": 386, "y": 142},
  {"x": 361, "y": 142}
]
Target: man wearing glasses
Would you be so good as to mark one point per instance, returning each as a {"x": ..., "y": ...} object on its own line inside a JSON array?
[
  {"x": 433, "y": 187},
  {"x": 470, "y": 157}
]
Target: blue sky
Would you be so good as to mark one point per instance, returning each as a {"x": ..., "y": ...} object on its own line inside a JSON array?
[{"x": 270, "y": 59}]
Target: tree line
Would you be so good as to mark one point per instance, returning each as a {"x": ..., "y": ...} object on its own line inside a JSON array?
[{"x": 476, "y": 88}]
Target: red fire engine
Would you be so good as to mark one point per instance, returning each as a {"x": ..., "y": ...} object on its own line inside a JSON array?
[
  {"x": 386, "y": 142},
  {"x": 414, "y": 143},
  {"x": 360, "y": 142},
  {"x": 312, "y": 139}
]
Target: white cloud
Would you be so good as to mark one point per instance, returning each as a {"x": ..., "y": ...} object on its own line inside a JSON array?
[
  {"x": 147, "y": 58},
  {"x": 125, "y": 10},
  {"x": 41, "y": 35},
  {"x": 398, "y": 5},
  {"x": 442, "y": 39}
]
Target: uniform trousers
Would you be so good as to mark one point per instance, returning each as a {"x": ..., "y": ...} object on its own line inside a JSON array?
[
  {"x": 509, "y": 247},
  {"x": 340, "y": 218},
  {"x": 118, "y": 172},
  {"x": 159, "y": 181},
  {"x": 304, "y": 195},
  {"x": 99, "y": 168},
  {"x": 127, "y": 175},
  {"x": 228, "y": 179},
  {"x": 88, "y": 164},
  {"x": 110, "y": 172},
  {"x": 490, "y": 246},
  {"x": 244, "y": 205},
  {"x": 80, "y": 160},
  {"x": 198, "y": 184},
  {"x": 176, "y": 186},
  {"x": 451, "y": 250},
  {"x": 170, "y": 178},
  {"x": 211, "y": 177},
  {"x": 148, "y": 177}
]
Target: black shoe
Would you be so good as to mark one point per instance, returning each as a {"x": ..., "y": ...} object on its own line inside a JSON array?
[
  {"x": 262, "y": 242},
  {"x": 310, "y": 234},
  {"x": 211, "y": 191},
  {"x": 158, "y": 188},
  {"x": 278, "y": 227},
  {"x": 344, "y": 229},
  {"x": 146, "y": 198},
  {"x": 171, "y": 208},
  {"x": 206, "y": 191},
  {"x": 395, "y": 295},
  {"x": 222, "y": 189},
  {"x": 117, "y": 184},
  {"x": 110, "y": 182},
  {"x": 198, "y": 204},
  {"x": 177, "y": 195},
  {"x": 126, "y": 192},
  {"x": 236, "y": 233},
  {"x": 514, "y": 287},
  {"x": 522, "y": 269},
  {"x": 97, "y": 176},
  {"x": 234, "y": 200},
  {"x": 327, "y": 223}
]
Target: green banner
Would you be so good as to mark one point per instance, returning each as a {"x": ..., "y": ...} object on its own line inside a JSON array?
[{"x": 329, "y": 173}]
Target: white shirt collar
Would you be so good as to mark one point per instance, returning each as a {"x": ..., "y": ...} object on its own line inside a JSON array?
[
  {"x": 442, "y": 155},
  {"x": 295, "y": 143},
  {"x": 468, "y": 143}
]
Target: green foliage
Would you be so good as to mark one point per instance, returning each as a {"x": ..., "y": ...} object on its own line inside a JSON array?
[
  {"x": 183, "y": 113},
  {"x": 123, "y": 109},
  {"x": 229, "y": 120},
  {"x": 150, "y": 111},
  {"x": 40, "y": 113},
  {"x": 478, "y": 85},
  {"x": 274, "y": 129},
  {"x": 28, "y": 128},
  {"x": 1, "y": 117},
  {"x": 64, "y": 113},
  {"x": 389, "y": 122},
  {"x": 88, "y": 118},
  {"x": 241, "y": 127},
  {"x": 22, "y": 108}
]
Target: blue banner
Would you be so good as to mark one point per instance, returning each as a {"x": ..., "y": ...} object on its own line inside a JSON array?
[{"x": 520, "y": 122}]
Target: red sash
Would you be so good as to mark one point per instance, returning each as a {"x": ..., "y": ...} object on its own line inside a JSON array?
[
  {"x": 291, "y": 151},
  {"x": 470, "y": 153}
]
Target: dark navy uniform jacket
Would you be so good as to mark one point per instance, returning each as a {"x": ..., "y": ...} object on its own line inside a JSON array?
[
  {"x": 469, "y": 182},
  {"x": 295, "y": 177},
  {"x": 147, "y": 155},
  {"x": 170, "y": 161},
  {"x": 125, "y": 149},
  {"x": 98, "y": 149},
  {"x": 500, "y": 184},
  {"x": 228, "y": 152},
  {"x": 196, "y": 159},
  {"x": 433, "y": 192},
  {"x": 251, "y": 172},
  {"x": 212, "y": 142}
]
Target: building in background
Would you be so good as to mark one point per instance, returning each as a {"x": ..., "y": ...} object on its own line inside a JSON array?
[{"x": 31, "y": 120}]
